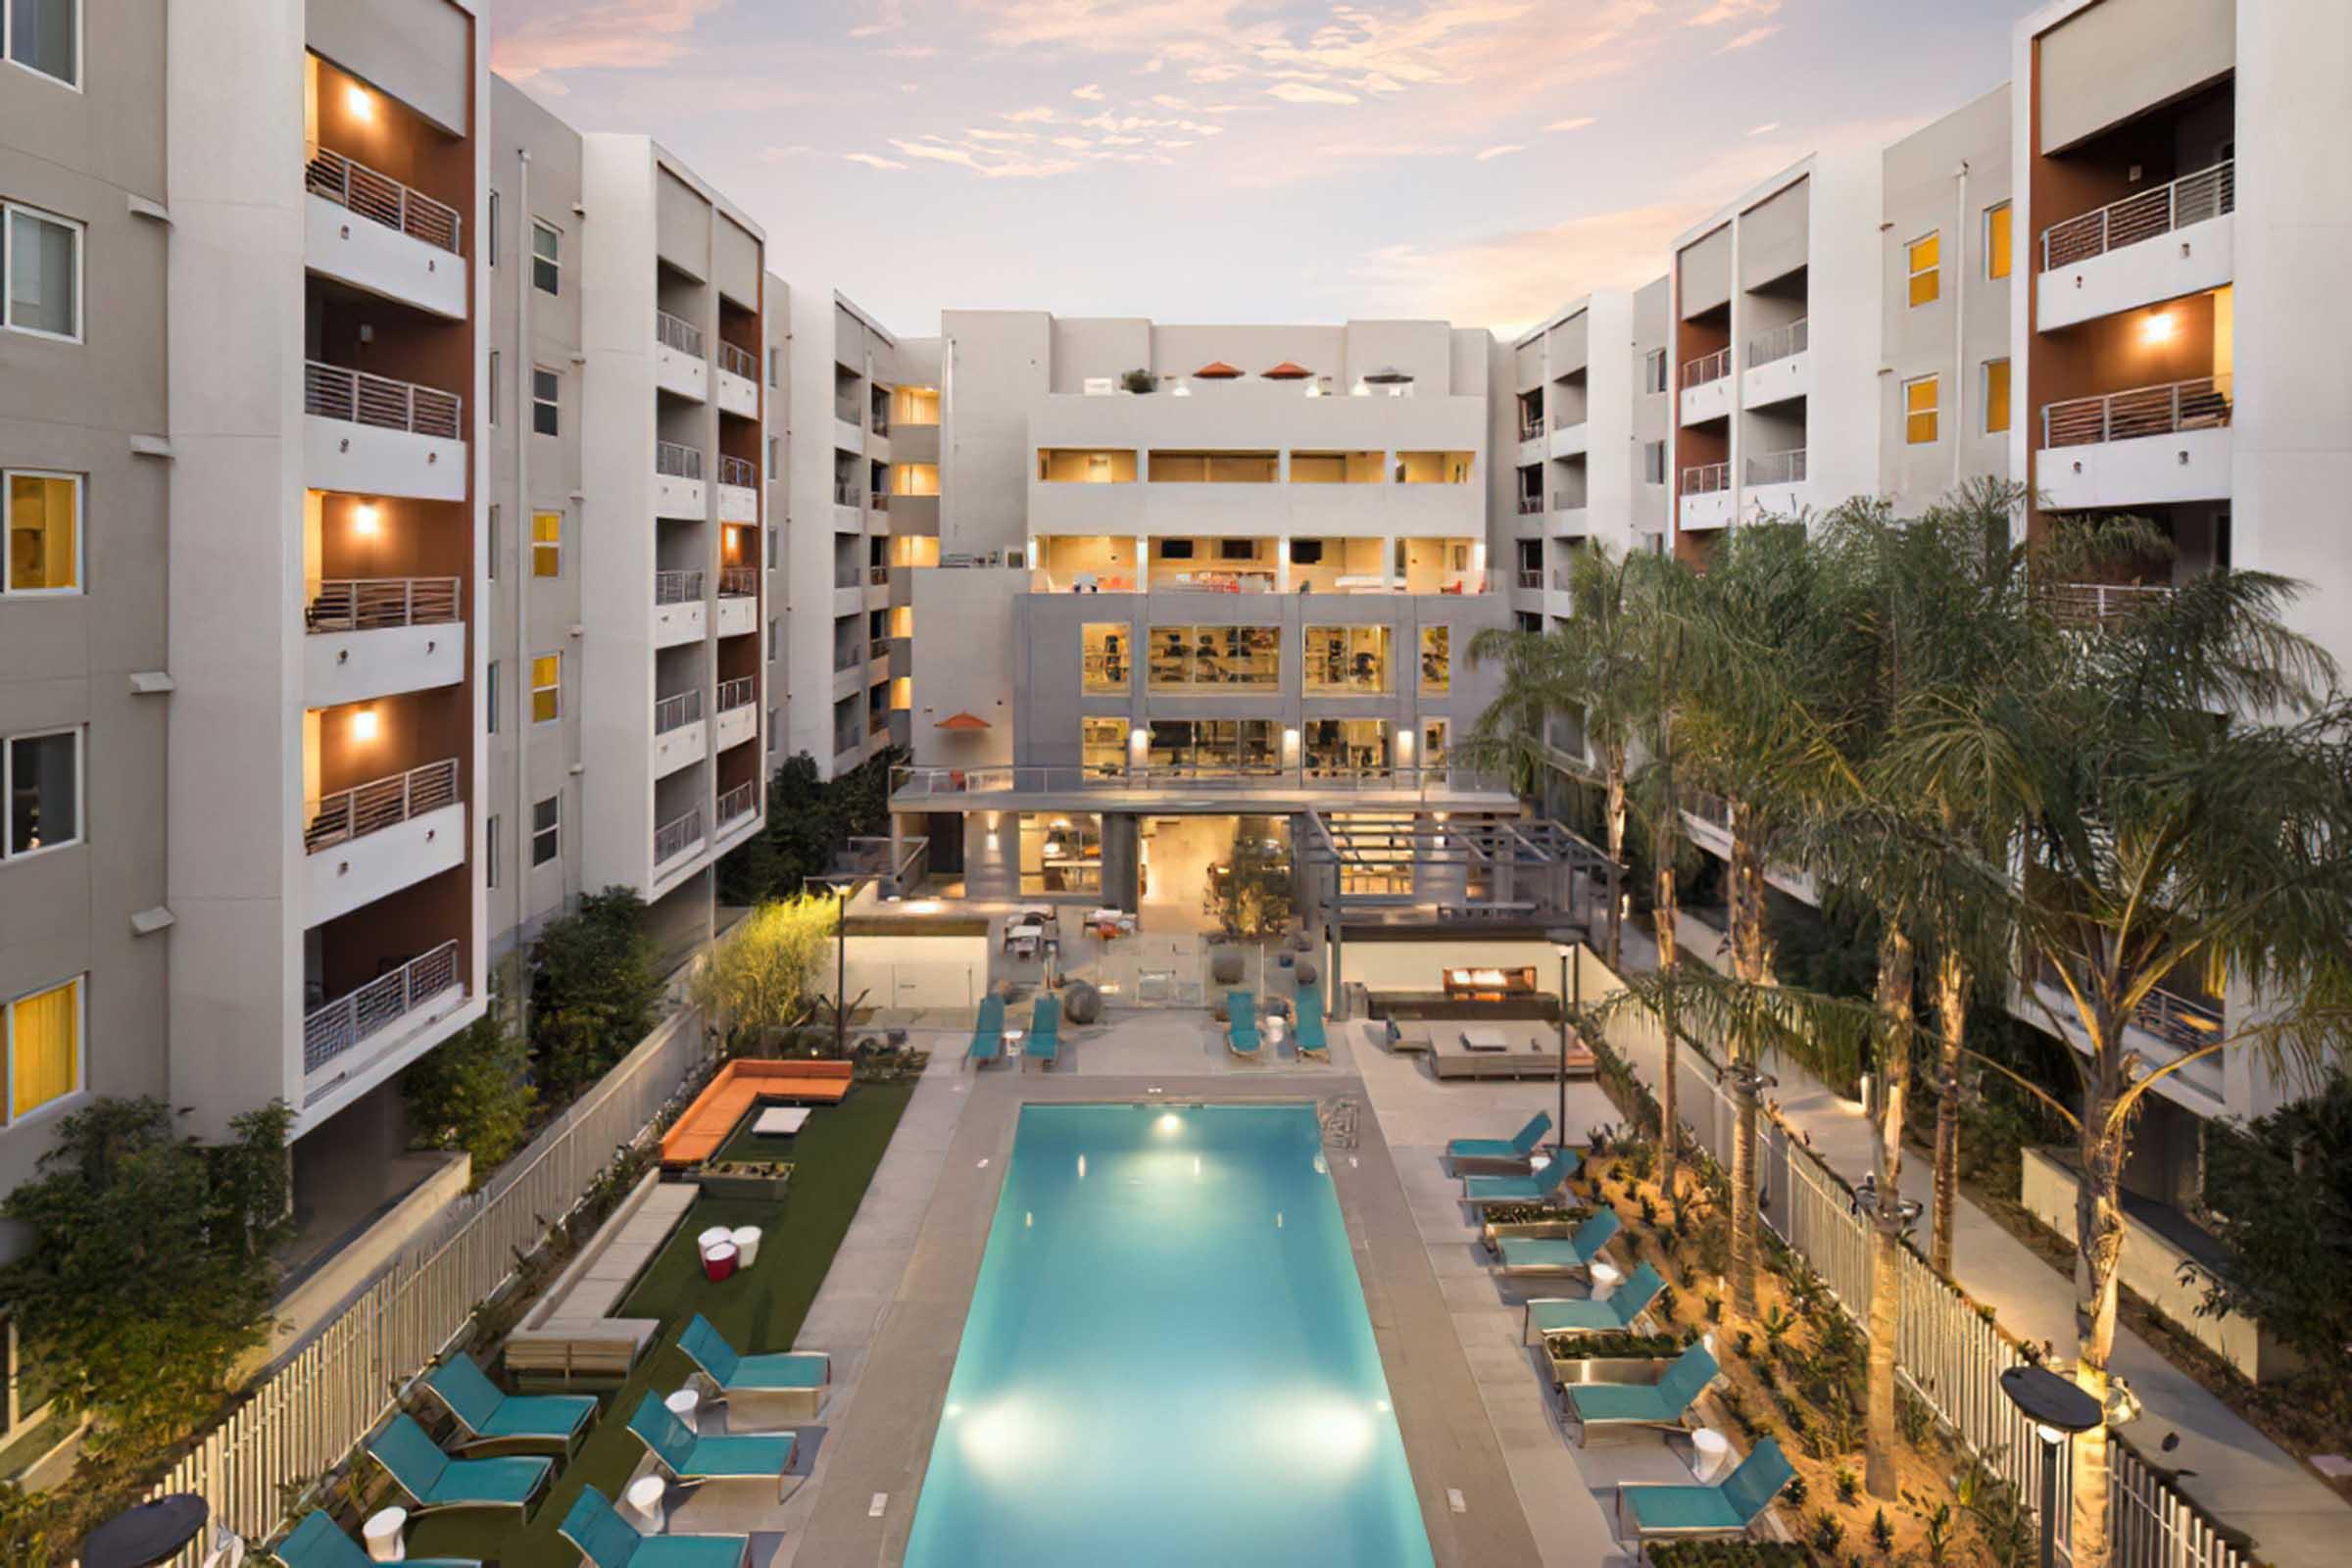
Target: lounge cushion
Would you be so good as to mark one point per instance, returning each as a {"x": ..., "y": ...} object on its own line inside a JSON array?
[
  {"x": 1561, "y": 1251},
  {"x": 1727, "y": 1508},
  {"x": 1661, "y": 1403},
  {"x": 316, "y": 1543},
  {"x": 740, "y": 1084},
  {"x": 1626, "y": 1304},
  {"x": 693, "y": 1457},
  {"x": 436, "y": 1481},
  {"x": 608, "y": 1541},
  {"x": 1519, "y": 1145},
  {"x": 1524, "y": 1188},
  {"x": 709, "y": 1349},
  {"x": 489, "y": 1412}
]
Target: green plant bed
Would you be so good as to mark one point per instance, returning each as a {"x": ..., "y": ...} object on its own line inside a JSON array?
[
  {"x": 759, "y": 1309},
  {"x": 1536, "y": 1214},
  {"x": 1617, "y": 1346},
  {"x": 757, "y": 1180},
  {"x": 1731, "y": 1555}
]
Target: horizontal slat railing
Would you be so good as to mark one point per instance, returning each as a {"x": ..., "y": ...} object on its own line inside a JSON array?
[
  {"x": 738, "y": 471},
  {"x": 384, "y": 200},
  {"x": 380, "y": 803},
  {"x": 334, "y": 392},
  {"x": 736, "y": 804},
  {"x": 671, "y": 838},
  {"x": 348, "y": 1020},
  {"x": 380, "y": 604},
  {"x": 738, "y": 582},
  {"x": 677, "y": 460},
  {"x": 677, "y": 587},
  {"x": 676, "y": 712},
  {"x": 740, "y": 692},
  {"x": 676, "y": 332},
  {"x": 2097, "y": 603},
  {"x": 2191, "y": 199},
  {"x": 2202, "y": 403}
]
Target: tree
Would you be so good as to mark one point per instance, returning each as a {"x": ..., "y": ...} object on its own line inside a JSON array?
[
  {"x": 2280, "y": 1193},
  {"x": 474, "y": 1093},
  {"x": 763, "y": 976},
  {"x": 1249, "y": 896},
  {"x": 595, "y": 986}
]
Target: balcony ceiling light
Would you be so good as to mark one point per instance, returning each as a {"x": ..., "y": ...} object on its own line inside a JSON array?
[
  {"x": 363, "y": 724},
  {"x": 363, "y": 518},
  {"x": 2157, "y": 328},
  {"x": 360, "y": 102}
]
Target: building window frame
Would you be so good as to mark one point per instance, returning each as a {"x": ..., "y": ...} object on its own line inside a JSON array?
[
  {"x": 8, "y": 35},
  {"x": 547, "y": 830},
  {"x": 490, "y": 852},
  {"x": 1654, "y": 463},
  {"x": 490, "y": 698},
  {"x": 1653, "y": 372},
  {"x": 1437, "y": 660},
  {"x": 547, "y": 687},
  {"x": 82, "y": 532},
  {"x": 59, "y": 1104},
  {"x": 1924, "y": 276},
  {"x": 7, "y": 792},
  {"x": 547, "y": 544},
  {"x": 10, "y": 212},
  {"x": 1987, "y": 401},
  {"x": 1922, "y": 419},
  {"x": 2000, "y": 240},
  {"x": 547, "y": 401},
  {"x": 547, "y": 260}
]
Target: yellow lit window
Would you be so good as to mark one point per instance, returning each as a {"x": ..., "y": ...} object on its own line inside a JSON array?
[
  {"x": 547, "y": 687},
  {"x": 1996, "y": 241},
  {"x": 44, "y": 1047},
  {"x": 1925, "y": 263},
  {"x": 1919, "y": 411},
  {"x": 44, "y": 533},
  {"x": 547, "y": 544},
  {"x": 1996, "y": 396}
]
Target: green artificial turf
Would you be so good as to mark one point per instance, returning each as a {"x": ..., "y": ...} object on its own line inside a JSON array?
[{"x": 759, "y": 1309}]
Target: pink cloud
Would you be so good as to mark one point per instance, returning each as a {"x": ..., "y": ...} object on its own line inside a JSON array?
[{"x": 603, "y": 35}]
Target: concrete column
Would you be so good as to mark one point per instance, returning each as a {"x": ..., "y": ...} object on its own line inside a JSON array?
[
  {"x": 992, "y": 854},
  {"x": 1121, "y": 882}
]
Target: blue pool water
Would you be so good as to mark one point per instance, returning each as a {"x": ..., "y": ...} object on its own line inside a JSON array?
[{"x": 1167, "y": 1360}]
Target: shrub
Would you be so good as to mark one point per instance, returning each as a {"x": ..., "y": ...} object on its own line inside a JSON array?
[
  {"x": 472, "y": 1094},
  {"x": 1829, "y": 1534},
  {"x": 596, "y": 980},
  {"x": 1850, "y": 1486}
]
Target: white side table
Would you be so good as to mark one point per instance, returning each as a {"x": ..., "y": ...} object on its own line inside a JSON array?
[
  {"x": 641, "y": 1506},
  {"x": 1605, "y": 1278},
  {"x": 1276, "y": 1029},
  {"x": 384, "y": 1535},
  {"x": 686, "y": 1405},
  {"x": 1710, "y": 1452}
]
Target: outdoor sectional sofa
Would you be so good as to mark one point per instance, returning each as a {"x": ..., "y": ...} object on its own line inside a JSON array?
[
  {"x": 740, "y": 1084},
  {"x": 572, "y": 1333}
]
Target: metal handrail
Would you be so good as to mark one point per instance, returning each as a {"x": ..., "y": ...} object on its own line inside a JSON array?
[
  {"x": 848, "y": 413},
  {"x": 847, "y": 658},
  {"x": 738, "y": 582},
  {"x": 671, "y": 838},
  {"x": 845, "y": 494},
  {"x": 877, "y": 648},
  {"x": 1707, "y": 367},
  {"x": 678, "y": 712},
  {"x": 1529, "y": 506},
  {"x": 676, "y": 332},
  {"x": 2191, "y": 199},
  {"x": 1778, "y": 467},
  {"x": 1706, "y": 478},
  {"x": 737, "y": 802},
  {"x": 739, "y": 471},
  {"x": 1780, "y": 343},
  {"x": 334, "y": 392},
  {"x": 740, "y": 692},
  {"x": 380, "y": 803},
  {"x": 677, "y": 587},
  {"x": 380, "y": 604},
  {"x": 1531, "y": 577},
  {"x": 1530, "y": 430},
  {"x": 2202, "y": 403},
  {"x": 926, "y": 782},
  {"x": 380, "y": 198},
  {"x": 345, "y": 1022},
  {"x": 878, "y": 576},
  {"x": 738, "y": 362},
  {"x": 2100, "y": 604},
  {"x": 677, "y": 459},
  {"x": 879, "y": 501}
]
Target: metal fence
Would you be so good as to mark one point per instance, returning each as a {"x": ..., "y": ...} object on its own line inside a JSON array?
[
  {"x": 1948, "y": 1353},
  {"x": 311, "y": 1410}
]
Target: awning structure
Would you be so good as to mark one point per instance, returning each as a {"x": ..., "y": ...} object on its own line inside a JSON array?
[
  {"x": 963, "y": 722},
  {"x": 1530, "y": 866},
  {"x": 1217, "y": 370},
  {"x": 1287, "y": 371}
]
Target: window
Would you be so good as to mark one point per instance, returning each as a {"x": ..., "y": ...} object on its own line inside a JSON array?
[
  {"x": 1436, "y": 657},
  {"x": 1654, "y": 370},
  {"x": 775, "y": 367},
  {"x": 1996, "y": 396},
  {"x": 547, "y": 259},
  {"x": 44, "y": 533},
  {"x": 1102, "y": 747},
  {"x": 490, "y": 698},
  {"x": 1213, "y": 747},
  {"x": 44, "y": 272},
  {"x": 1996, "y": 241},
  {"x": 547, "y": 818},
  {"x": 491, "y": 248},
  {"x": 1345, "y": 748},
  {"x": 547, "y": 687},
  {"x": 45, "y": 35},
  {"x": 1348, "y": 658},
  {"x": 1061, "y": 852},
  {"x": 775, "y": 455},
  {"x": 1923, "y": 258},
  {"x": 1919, "y": 411},
  {"x": 44, "y": 1047},
  {"x": 774, "y": 633},
  {"x": 1184, "y": 656},
  {"x": 493, "y": 387},
  {"x": 775, "y": 728},
  {"x": 547, "y": 401},
  {"x": 40, "y": 793},
  {"x": 498, "y": 536},
  {"x": 1433, "y": 745},
  {"x": 490, "y": 852},
  {"x": 547, "y": 544},
  {"x": 1654, "y": 463}
]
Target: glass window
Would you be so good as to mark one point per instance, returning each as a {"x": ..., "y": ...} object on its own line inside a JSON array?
[
  {"x": 547, "y": 259},
  {"x": 1108, "y": 662},
  {"x": 1348, "y": 658},
  {"x": 547, "y": 818},
  {"x": 1996, "y": 241},
  {"x": 1183, "y": 656},
  {"x": 44, "y": 274},
  {"x": 1919, "y": 411},
  {"x": 498, "y": 537},
  {"x": 1102, "y": 747},
  {"x": 1654, "y": 370},
  {"x": 490, "y": 852},
  {"x": 775, "y": 367},
  {"x": 1924, "y": 258},
  {"x": 45, "y": 534},
  {"x": 1996, "y": 396},
  {"x": 1437, "y": 659},
  {"x": 1215, "y": 748},
  {"x": 490, "y": 698},
  {"x": 1345, "y": 748},
  {"x": 547, "y": 401},
  {"x": 45, "y": 35},
  {"x": 44, "y": 1047},
  {"x": 547, "y": 687},
  {"x": 490, "y": 238},
  {"x": 1433, "y": 745},
  {"x": 1061, "y": 852},
  {"x": 40, "y": 791},
  {"x": 547, "y": 544},
  {"x": 490, "y": 387},
  {"x": 1654, "y": 463}
]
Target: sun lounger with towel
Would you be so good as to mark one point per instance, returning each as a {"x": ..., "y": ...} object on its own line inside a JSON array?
[
  {"x": 988, "y": 1034},
  {"x": 1241, "y": 1027},
  {"x": 316, "y": 1543},
  {"x": 1727, "y": 1508},
  {"x": 608, "y": 1541},
  {"x": 1499, "y": 1156},
  {"x": 1543, "y": 1187},
  {"x": 1558, "y": 1255},
  {"x": 489, "y": 1414},
  {"x": 693, "y": 1457},
  {"x": 1591, "y": 1315},
  {"x": 795, "y": 1379},
  {"x": 1663, "y": 1403},
  {"x": 1044, "y": 1044},
  {"x": 433, "y": 1480}
]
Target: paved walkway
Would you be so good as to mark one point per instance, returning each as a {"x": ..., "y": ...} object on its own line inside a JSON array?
[{"x": 2224, "y": 1465}]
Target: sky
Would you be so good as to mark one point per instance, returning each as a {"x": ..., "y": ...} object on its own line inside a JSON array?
[{"x": 1232, "y": 160}]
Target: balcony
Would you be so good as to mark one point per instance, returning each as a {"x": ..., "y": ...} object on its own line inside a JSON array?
[
  {"x": 738, "y": 490},
  {"x": 2105, "y": 261},
  {"x": 738, "y": 381},
  {"x": 2103, "y": 604},
  {"x": 680, "y": 613},
  {"x": 678, "y": 482},
  {"x": 680, "y": 366},
  {"x": 1530, "y": 506},
  {"x": 370, "y": 637},
  {"x": 1779, "y": 365},
  {"x": 738, "y": 711},
  {"x": 1707, "y": 393},
  {"x": 847, "y": 494},
  {"x": 677, "y": 838},
  {"x": 1530, "y": 429},
  {"x": 1773, "y": 479},
  {"x": 681, "y": 737},
  {"x": 2149, "y": 446},
  {"x": 418, "y": 991},
  {"x": 736, "y": 804},
  {"x": 1305, "y": 780},
  {"x": 1571, "y": 438},
  {"x": 1531, "y": 578},
  {"x": 405, "y": 246},
  {"x": 376, "y": 837},
  {"x": 1562, "y": 579},
  {"x": 1705, "y": 498},
  {"x": 372, "y": 435},
  {"x": 738, "y": 600}
]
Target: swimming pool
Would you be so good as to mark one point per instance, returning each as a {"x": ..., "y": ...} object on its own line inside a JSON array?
[{"x": 1167, "y": 1360}]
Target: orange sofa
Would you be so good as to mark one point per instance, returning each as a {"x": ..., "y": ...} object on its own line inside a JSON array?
[{"x": 740, "y": 1084}]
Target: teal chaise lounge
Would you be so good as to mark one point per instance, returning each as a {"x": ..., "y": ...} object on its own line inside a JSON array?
[
  {"x": 1241, "y": 1026},
  {"x": 316, "y": 1543},
  {"x": 1499, "y": 1156},
  {"x": 1543, "y": 1187},
  {"x": 792, "y": 1380},
  {"x": 1665, "y": 1404},
  {"x": 988, "y": 1033},
  {"x": 693, "y": 1459},
  {"x": 608, "y": 1541},
  {"x": 1044, "y": 1042},
  {"x": 1727, "y": 1508},
  {"x": 1310, "y": 1040},
  {"x": 1554, "y": 1255},
  {"x": 433, "y": 1480},
  {"x": 489, "y": 1414},
  {"x": 1615, "y": 1316}
]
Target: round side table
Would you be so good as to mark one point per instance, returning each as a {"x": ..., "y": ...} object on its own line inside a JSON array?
[
  {"x": 1710, "y": 1452},
  {"x": 1605, "y": 1278},
  {"x": 641, "y": 1506},
  {"x": 686, "y": 1405},
  {"x": 384, "y": 1535}
]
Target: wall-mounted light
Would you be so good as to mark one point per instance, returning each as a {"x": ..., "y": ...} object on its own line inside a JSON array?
[
  {"x": 363, "y": 724},
  {"x": 360, "y": 102},
  {"x": 2157, "y": 328},
  {"x": 364, "y": 520}
]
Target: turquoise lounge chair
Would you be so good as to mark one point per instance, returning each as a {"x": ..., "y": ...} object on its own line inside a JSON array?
[
  {"x": 1727, "y": 1508},
  {"x": 433, "y": 1480},
  {"x": 795, "y": 1379},
  {"x": 316, "y": 1543},
  {"x": 1561, "y": 1254},
  {"x": 1540, "y": 1188},
  {"x": 489, "y": 1414},
  {"x": 1663, "y": 1403},
  {"x": 1615, "y": 1316},
  {"x": 1241, "y": 1027},
  {"x": 988, "y": 1034},
  {"x": 1499, "y": 1156},
  {"x": 608, "y": 1541},
  {"x": 1043, "y": 1042},
  {"x": 692, "y": 1458},
  {"x": 1310, "y": 1038}
]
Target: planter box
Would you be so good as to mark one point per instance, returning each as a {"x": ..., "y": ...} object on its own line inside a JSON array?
[
  {"x": 1566, "y": 1370},
  {"x": 1495, "y": 1233},
  {"x": 737, "y": 1178}
]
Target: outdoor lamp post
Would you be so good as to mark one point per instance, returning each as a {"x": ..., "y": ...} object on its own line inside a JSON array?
[
  {"x": 2058, "y": 1410},
  {"x": 841, "y": 888},
  {"x": 1565, "y": 942}
]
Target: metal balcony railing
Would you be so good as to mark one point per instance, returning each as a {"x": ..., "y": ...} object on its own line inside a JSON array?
[
  {"x": 1707, "y": 367},
  {"x": 677, "y": 460},
  {"x": 384, "y": 200},
  {"x": 674, "y": 837},
  {"x": 738, "y": 362},
  {"x": 1778, "y": 467},
  {"x": 1531, "y": 577},
  {"x": 678, "y": 712},
  {"x": 848, "y": 658},
  {"x": 2190, "y": 199},
  {"x": 2100, "y": 604},
  {"x": 380, "y": 604},
  {"x": 1780, "y": 343},
  {"x": 848, "y": 575},
  {"x": 881, "y": 422},
  {"x": 1529, "y": 506},
  {"x": 1706, "y": 478},
  {"x": 677, "y": 587},
  {"x": 737, "y": 804},
  {"x": 844, "y": 493},
  {"x": 739, "y": 471},
  {"x": 847, "y": 411},
  {"x": 1309, "y": 773},
  {"x": 1530, "y": 429},
  {"x": 380, "y": 803},
  {"x": 738, "y": 582},
  {"x": 878, "y": 576},
  {"x": 2201, "y": 404},
  {"x": 877, "y": 648},
  {"x": 347, "y": 1021},
  {"x": 740, "y": 692},
  {"x": 676, "y": 332},
  {"x": 879, "y": 501},
  {"x": 332, "y": 392}
]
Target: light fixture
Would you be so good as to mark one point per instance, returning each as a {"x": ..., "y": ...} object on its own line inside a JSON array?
[
  {"x": 363, "y": 724},
  {"x": 359, "y": 101},
  {"x": 1182, "y": 388},
  {"x": 2157, "y": 328},
  {"x": 363, "y": 519}
]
